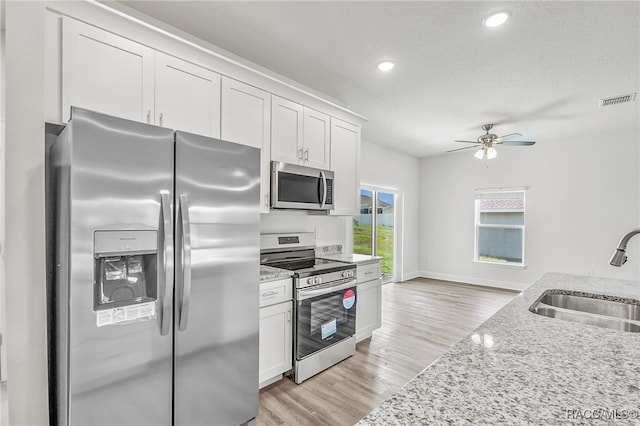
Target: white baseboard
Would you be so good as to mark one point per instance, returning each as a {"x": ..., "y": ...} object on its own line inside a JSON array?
[
  {"x": 508, "y": 285},
  {"x": 410, "y": 275}
]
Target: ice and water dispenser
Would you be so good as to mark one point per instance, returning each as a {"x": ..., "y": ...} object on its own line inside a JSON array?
[{"x": 125, "y": 275}]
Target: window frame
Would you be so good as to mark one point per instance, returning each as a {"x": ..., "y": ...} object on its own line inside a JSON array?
[{"x": 478, "y": 226}]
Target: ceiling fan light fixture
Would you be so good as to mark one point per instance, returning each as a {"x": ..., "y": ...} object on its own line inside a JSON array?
[
  {"x": 479, "y": 154},
  {"x": 496, "y": 19},
  {"x": 491, "y": 153}
]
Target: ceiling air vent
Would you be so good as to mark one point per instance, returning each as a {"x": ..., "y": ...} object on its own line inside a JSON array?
[{"x": 615, "y": 100}]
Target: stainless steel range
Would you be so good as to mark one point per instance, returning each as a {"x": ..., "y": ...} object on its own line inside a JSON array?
[{"x": 325, "y": 302}]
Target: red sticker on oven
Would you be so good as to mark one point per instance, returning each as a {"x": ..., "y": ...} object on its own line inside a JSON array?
[{"x": 349, "y": 299}]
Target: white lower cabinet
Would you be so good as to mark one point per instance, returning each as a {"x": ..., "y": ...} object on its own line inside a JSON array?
[
  {"x": 276, "y": 328},
  {"x": 369, "y": 309}
]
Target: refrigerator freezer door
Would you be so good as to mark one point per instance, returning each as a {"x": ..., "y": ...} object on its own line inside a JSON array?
[
  {"x": 118, "y": 373},
  {"x": 216, "y": 343}
]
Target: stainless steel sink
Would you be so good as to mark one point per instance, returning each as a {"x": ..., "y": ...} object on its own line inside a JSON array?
[{"x": 592, "y": 309}]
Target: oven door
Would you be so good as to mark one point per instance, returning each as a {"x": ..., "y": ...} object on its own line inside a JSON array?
[
  {"x": 300, "y": 187},
  {"x": 325, "y": 315}
]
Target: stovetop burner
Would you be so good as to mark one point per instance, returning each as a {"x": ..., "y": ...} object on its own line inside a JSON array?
[
  {"x": 321, "y": 266},
  {"x": 303, "y": 266},
  {"x": 279, "y": 252}
]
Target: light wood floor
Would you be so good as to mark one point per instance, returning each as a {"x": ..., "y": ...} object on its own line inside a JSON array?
[{"x": 421, "y": 320}]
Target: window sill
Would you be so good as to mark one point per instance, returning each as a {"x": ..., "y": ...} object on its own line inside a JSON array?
[{"x": 502, "y": 265}]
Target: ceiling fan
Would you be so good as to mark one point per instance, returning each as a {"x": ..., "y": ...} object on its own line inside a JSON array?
[{"x": 486, "y": 142}]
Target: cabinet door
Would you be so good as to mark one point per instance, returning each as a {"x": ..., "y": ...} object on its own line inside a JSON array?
[
  {"x": 187, "y": 97},
  {"x": 369, "y": 309},
  {"x": 246, "y": 119},
  {"x": 106, "y": 73},
  {"x": 345, "y": 163},
  {"x": 275, "y": 340},
  {"x": 286, "y": 131},
  {"x": 316, "y": 139}
]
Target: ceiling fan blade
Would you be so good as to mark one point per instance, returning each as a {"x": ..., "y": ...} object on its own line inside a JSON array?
[
  {"x": 476, "y": 142},
  {"x": 460, "y": 149},
  {"x": 518, "y": 143},
  {"x": 510, "y": 135}
]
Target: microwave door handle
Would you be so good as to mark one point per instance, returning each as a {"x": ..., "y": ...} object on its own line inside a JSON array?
[
  {"x": 165, "y": 273},
  {"x": 324, "y": 188},
  {"x": 185, "y": 227}
]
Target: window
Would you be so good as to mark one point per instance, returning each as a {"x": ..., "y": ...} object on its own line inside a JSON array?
[
  {"x": 499, "y": 219},
  {"x": 374, "y": 234}
]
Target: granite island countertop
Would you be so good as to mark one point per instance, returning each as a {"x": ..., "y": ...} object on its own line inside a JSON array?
[
  {"x": 523, "y": 368},
  {"x": 358, "y": 259}
]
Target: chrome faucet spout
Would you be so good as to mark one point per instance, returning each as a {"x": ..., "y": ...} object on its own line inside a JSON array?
[{"x": 619, "y": 257}]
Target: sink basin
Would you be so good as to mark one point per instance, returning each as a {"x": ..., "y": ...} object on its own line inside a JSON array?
[{"x": 592, "y": 309}]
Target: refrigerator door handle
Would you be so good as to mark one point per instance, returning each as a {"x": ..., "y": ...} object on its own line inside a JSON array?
[
  {"x": 324, "y": 188},
  {"x": 165, "y": 275},
  {"x": 185, "y": 273}
]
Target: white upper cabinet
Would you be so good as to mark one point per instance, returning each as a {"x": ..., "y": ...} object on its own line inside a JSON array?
[
  {"x": 316, "y": 139},
  {"x": 299, "y": 135},
  {"x": 187, "y": 96},
  {"x": 246, "y": 119},
  {"x": 106, "y": 73},
  {"x": 345, "y": 163},
  {"x": 113, "y": 75},
  {"x": 286, "y": 131}
]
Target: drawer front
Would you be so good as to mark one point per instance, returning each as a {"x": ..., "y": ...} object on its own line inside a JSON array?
[
  {"x": 369, "y": 272},
  {"x": 273, "y": 292}
]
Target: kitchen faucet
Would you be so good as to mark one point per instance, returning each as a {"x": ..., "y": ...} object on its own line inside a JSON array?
[{"x": 619, "y": 258}]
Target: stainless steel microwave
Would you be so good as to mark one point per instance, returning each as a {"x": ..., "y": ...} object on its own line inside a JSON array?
[{"x": 300, "y": 187}]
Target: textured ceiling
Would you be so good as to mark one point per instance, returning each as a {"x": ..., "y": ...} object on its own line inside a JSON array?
[{"x": 541, "y": 74}]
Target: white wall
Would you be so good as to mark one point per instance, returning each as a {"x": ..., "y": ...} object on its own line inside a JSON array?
[
  {"x": 24, "y": 249},
  {"x": 382, "y": 167},
  {"x": 330, "y": 230},
  {"x": 583, "y": 196},
  {"x": 3, "y": 348}
]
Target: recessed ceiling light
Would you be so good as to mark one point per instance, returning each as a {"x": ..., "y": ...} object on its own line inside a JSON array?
[
  {"x": 385, "y": 66},
  {"x": 496, "y": 19}
]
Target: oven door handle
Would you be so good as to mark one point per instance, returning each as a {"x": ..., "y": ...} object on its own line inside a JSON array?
[{"x": 310, "y": 292}]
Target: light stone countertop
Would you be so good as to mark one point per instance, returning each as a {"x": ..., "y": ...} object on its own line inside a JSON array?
[
  {"x": 358, "y": 259},
  {"x": 522, "y": 368},
  {"x": 268, "y": 273}
]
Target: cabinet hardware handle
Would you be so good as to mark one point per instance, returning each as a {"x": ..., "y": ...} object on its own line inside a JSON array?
[
  {"x": 148, "y": 116},
  {"x": 300, "y": 155},
  {"x": 266, "y": 200},
  {"x": 269, "y": 294},
  {"x": 161, "y": 117},
  {"x": 306, "y": 154}
]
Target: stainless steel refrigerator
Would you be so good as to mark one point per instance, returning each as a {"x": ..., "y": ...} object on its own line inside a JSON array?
[{"x": 153, "y": 300}]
